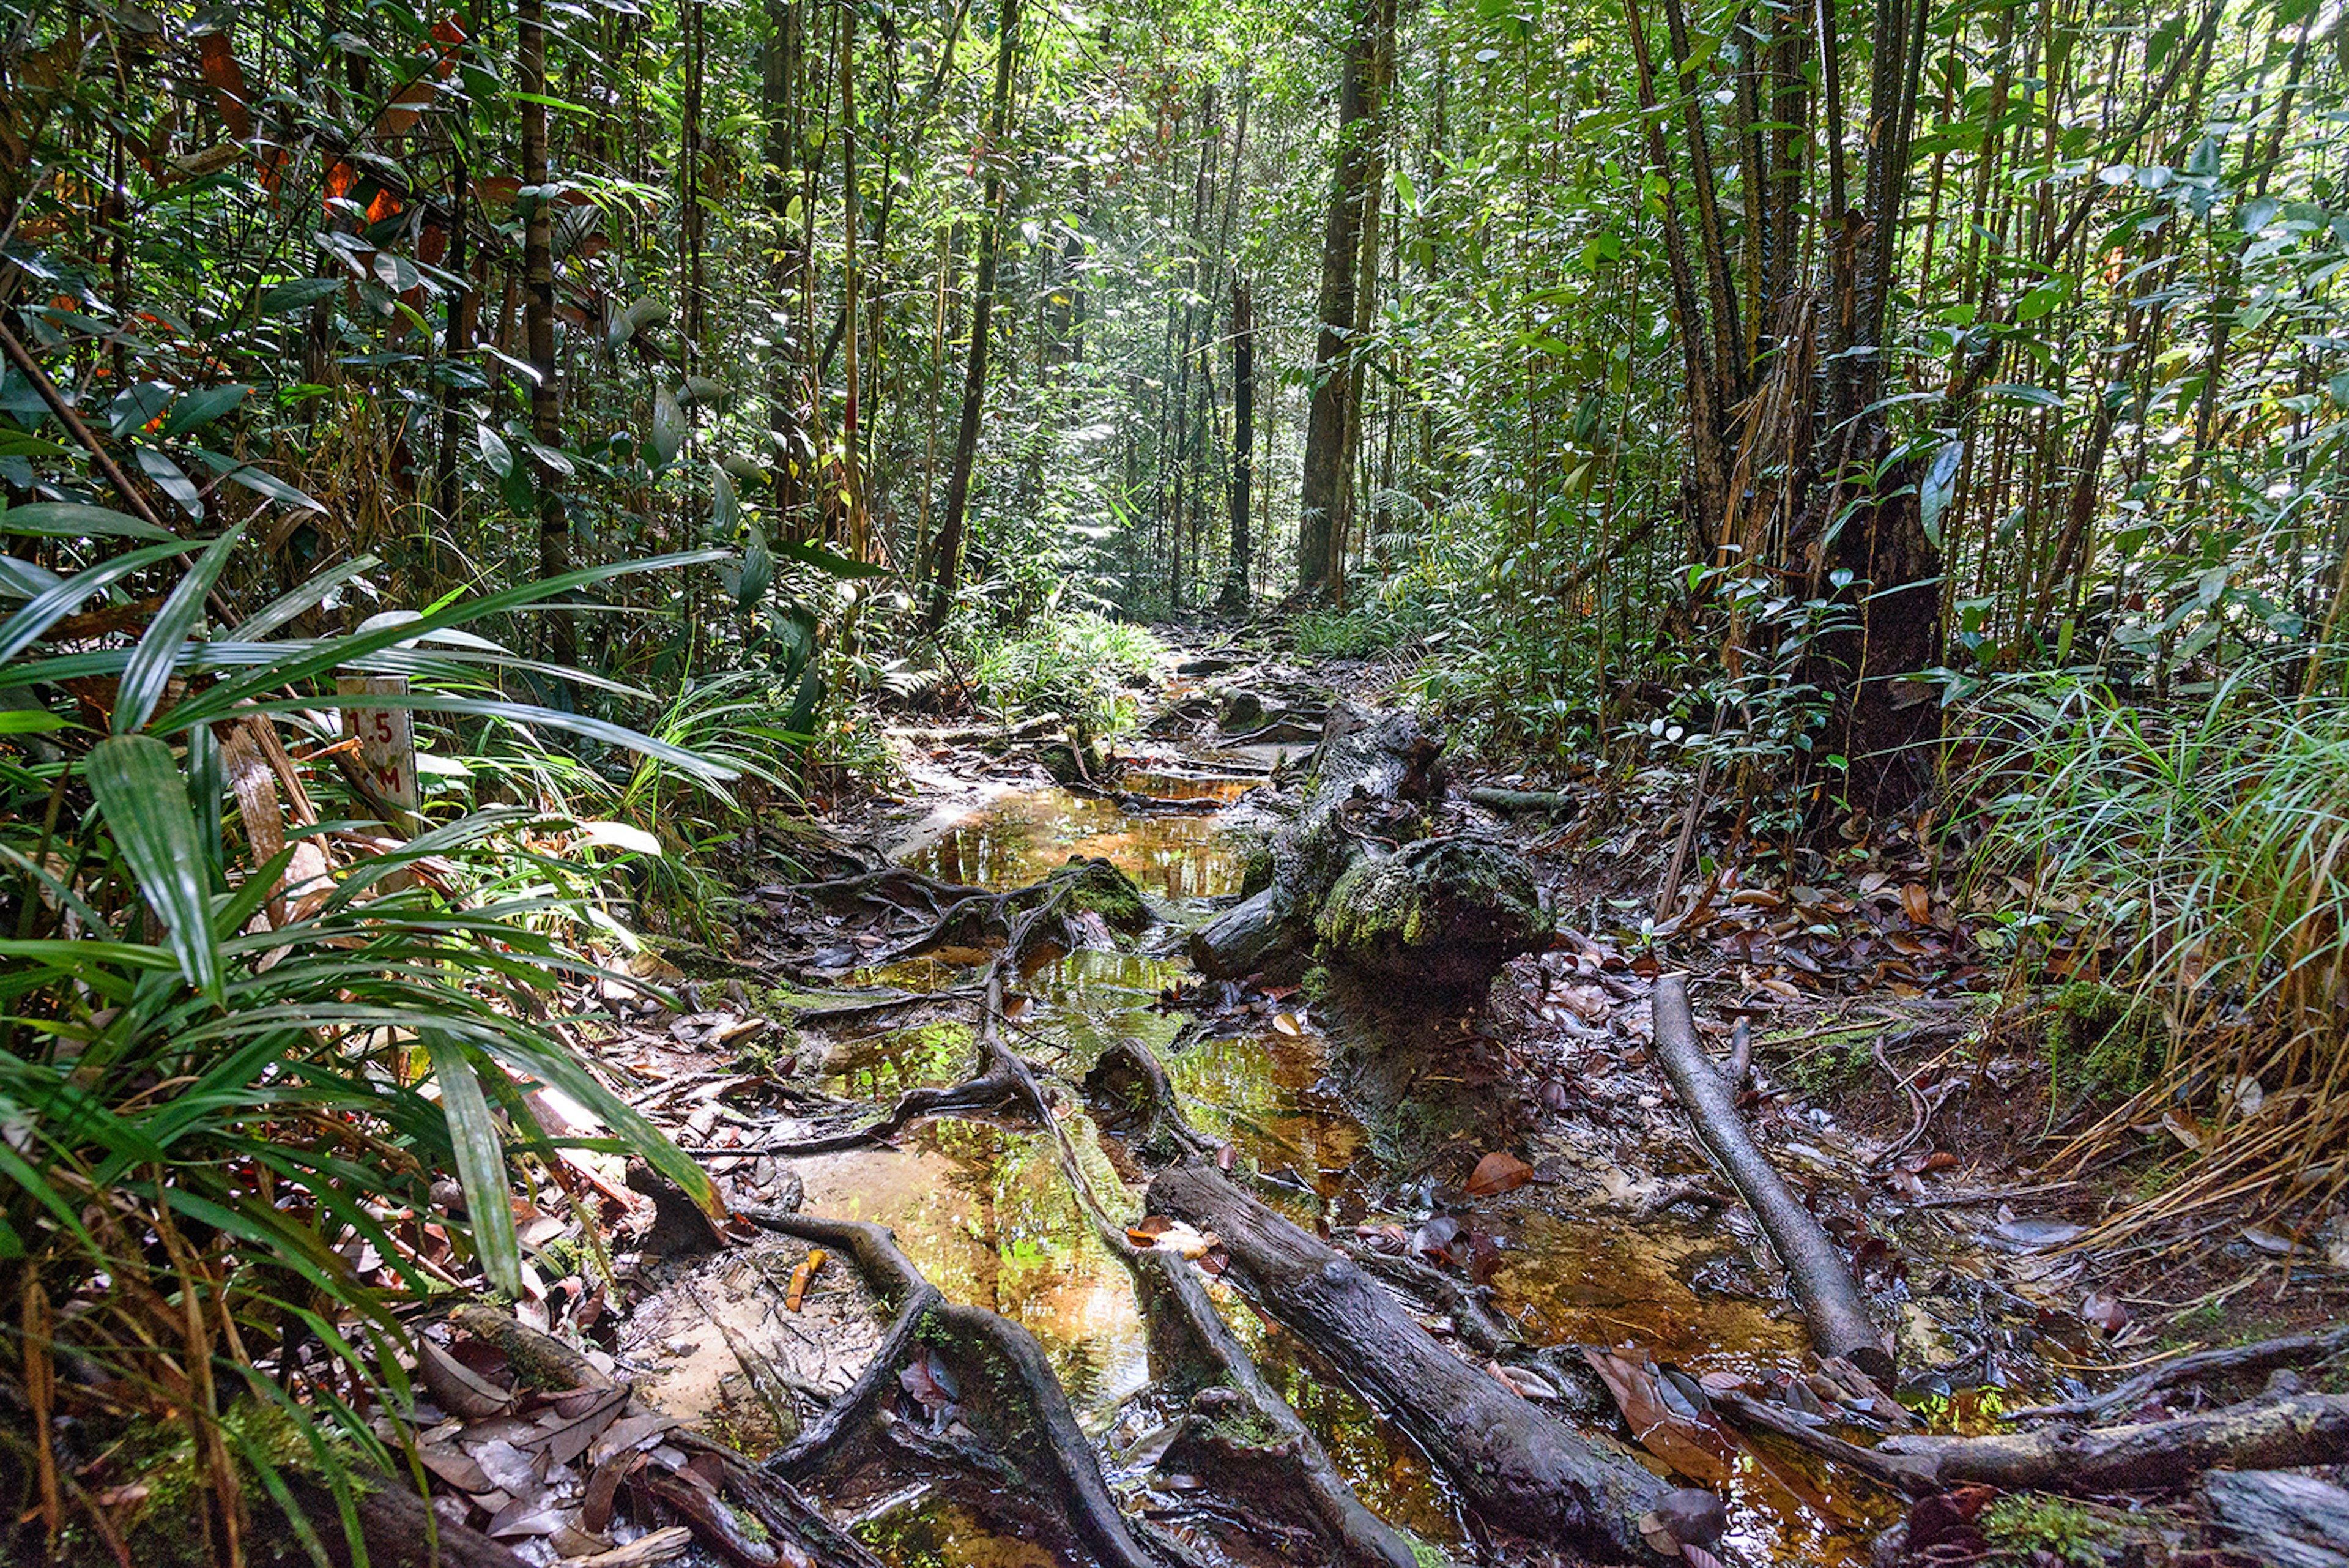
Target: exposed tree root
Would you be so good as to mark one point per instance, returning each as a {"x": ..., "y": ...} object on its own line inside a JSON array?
[
  {"x": 1823, "y": 1285},
  {"x": 1011, "y": 1396},
  {"x": 2288, "y": 1350},
  {"x": 1237, "y": 1426}
]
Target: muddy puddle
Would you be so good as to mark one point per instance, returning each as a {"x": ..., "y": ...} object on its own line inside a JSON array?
[{"x": 984, "y": 1212}]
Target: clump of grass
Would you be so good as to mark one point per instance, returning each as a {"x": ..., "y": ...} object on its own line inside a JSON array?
[{"x": 2204, "y": 853}]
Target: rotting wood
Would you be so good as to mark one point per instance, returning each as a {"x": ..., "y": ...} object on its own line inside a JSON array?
[
  {"x": 2291, "y": 1521},
  {"x": 1516, "y": 1466},
  {"x": 1549, "y": 801},
  {"x": 1360, "y": 880},
  {"x": 2259, "y": 1434},
  {"x": 1822, "y": 1281}
]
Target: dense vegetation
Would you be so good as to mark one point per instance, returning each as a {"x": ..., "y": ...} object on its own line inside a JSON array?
[{"x": 1870, "y": 410}]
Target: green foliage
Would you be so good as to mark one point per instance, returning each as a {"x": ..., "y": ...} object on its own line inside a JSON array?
[
  {"x": 1077, "y": 663},
  {"x": 2028, "y": 1527},
  {"x": 332, "y": 1044}
]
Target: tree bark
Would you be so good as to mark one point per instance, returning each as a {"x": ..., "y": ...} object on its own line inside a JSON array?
[
  {"x": 538, "y": 317},
  {"x": 1517, "y": 1466},
  {"x": 974, "y": 381},
  {"x": 1323, "y": 505},
  {"x": 1236, "y": 580},
  {"x": 1830, "y": 1298}
]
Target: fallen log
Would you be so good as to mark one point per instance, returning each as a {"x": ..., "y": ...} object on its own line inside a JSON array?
[
  {"x": 2259, "y": 1434},
  {"x": 2258, "y": 1357},
  {"x": 1822, "y": 1283},
  {"x": 1514, "y": 1464},
  {"x": 1548, "y": 802},
  {"x": 2291, "y": 1521},
  {"x": 2267, "y": 1433}
]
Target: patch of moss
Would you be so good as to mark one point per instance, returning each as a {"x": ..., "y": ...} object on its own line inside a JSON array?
[
  {"x": 769, "y": 1050},
  {"x": 2102, "y": 1042},
  {"x": 1825, "y": 1073},
  {"x": 1257, "y": 872},
  {"x": 2026, "y": 1523},
  {"x": 1103, "y": 890}
]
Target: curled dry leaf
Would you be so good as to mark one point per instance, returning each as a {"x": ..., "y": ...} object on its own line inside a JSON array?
[
  {"x": 456, "y": 1387},
  {"x": 1917, "y": 903},
  {"x": 930, "y": 1383},
  {"x": 1287, "y": 1023},
  {"x": 801, "y": 1277},
  {"x": 1496, "y": 1173}
]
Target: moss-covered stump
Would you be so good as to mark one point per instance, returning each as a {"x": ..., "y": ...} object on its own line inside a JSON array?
[
  {"x": 1443, "y": 915},
  {"x": 1097, "y": 888}
]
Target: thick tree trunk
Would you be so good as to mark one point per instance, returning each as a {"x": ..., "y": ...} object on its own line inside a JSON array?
[
  {"x": 1236, "y": 580},
  {"x": 1321, "y": 519},
  {"x": 974, "y": 381}
]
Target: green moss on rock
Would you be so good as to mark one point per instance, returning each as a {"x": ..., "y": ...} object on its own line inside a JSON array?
[{"x": 1101, "y": 888}]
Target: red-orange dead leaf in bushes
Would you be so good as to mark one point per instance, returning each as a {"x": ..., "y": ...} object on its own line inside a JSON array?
[
  {"x": 1496, "y": 1173},
  {"x": 226, "y": 78}
]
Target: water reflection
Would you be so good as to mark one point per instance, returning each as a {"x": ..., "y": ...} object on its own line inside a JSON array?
[{"x": 1019, "y": 839}]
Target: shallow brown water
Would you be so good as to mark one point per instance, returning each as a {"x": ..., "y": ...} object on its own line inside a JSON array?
[{"x": 985, "y": 1212}]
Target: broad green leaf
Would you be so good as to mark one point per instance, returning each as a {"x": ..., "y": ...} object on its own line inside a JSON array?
[
  {"x": 173, "y": 481},
  {"x": 144, "y": 799},
  {"x": 199, "y": 408},
  {"x": 298, "y": 295},
  {"x": 72, "y": 520},
  {"x": 288, "y": 606},
  {"x": 260, "y": 480},
  {"x": 668, "y": 427},
  {"x": 725, "y": 510},
  {"x": 24, "y": 628},
  {"x": 149, "y": 672},
  {"x": 829, "y": 562},
  {"x": 480, "y": 1160},
  {"x": 757, "y": 570}
]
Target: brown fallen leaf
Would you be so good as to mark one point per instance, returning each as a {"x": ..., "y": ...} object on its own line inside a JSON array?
[
  {"x": 2103, "y": 1310},
  {"x": 1701, "y": 1452},
  {"x": 1917, "y": 903},
  {"x": 456, "y": 1387},
  {"x": 800, "y": 1276},
  {"x": 1496, "y": 1173}
]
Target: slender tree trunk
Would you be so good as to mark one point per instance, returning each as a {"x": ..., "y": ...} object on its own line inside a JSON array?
[
  {"x": 1236, "y": 582},
  {"x": 1321, "y": 519},
  {"x": 787, "y": 430},
  {"x": 538, "y": 317},
  {"x": 974, "y": 383}
]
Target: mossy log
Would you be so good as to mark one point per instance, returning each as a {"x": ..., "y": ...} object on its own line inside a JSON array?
[
  {"x": 1516, "y": 1465},
  {"x": 1360, "y": 881}
]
